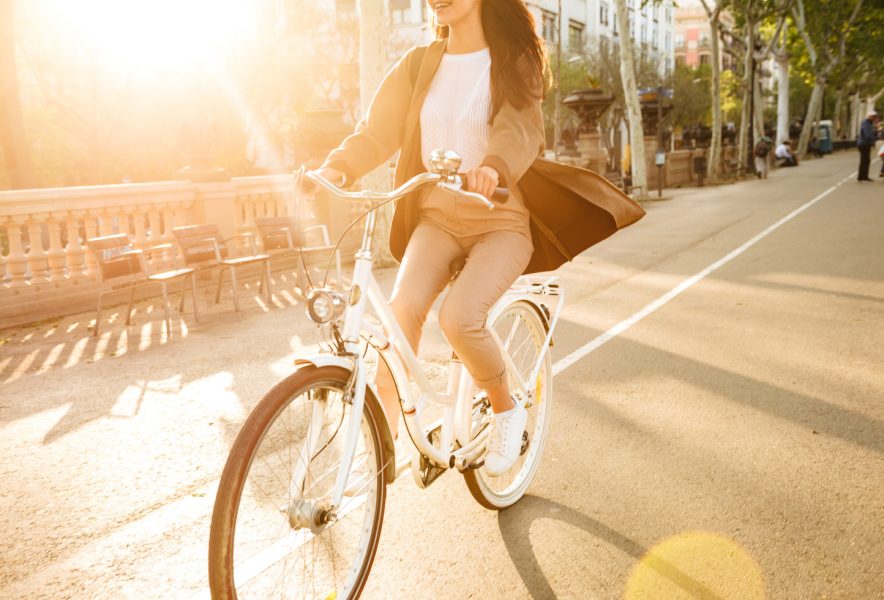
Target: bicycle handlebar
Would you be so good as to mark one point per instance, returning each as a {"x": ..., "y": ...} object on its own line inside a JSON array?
[{"x": 418, "y": 181}]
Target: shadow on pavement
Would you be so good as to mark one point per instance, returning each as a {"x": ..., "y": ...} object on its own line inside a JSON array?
[
  {"x": 815, "y": 414},
  {"x": 515, "y": 524}
]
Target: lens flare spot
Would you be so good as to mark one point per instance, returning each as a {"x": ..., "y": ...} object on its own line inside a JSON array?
[{"x": 695, "y": 565}]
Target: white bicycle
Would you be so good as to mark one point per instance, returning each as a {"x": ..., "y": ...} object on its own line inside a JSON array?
[{"x": 300, "y": 504}]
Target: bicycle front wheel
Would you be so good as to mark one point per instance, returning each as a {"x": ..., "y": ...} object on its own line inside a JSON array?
[
  {"x": 522, "y": 333},
  {"x": 274, "y": 532}
]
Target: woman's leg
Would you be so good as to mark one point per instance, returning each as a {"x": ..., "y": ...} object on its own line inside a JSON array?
[
  {"x": 494, "y": 262},
  {"x": 422, "y": 276}
]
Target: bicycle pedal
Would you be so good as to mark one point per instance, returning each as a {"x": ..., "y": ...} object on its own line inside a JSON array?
[
  {"x": 424, "y": 471},
  {"x": 525, "y": 443}
]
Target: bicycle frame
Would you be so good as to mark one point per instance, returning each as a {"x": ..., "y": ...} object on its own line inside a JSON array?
[{"x": 457, "y": 447}]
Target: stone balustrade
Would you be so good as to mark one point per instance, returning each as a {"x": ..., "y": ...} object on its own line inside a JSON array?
[{"x": 46, "y": 269}]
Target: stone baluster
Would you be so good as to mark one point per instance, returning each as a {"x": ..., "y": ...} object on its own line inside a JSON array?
[
  {"x": 37, "y": 258},
  {"x": 90, "y": 226},
  {"x": 139, "y": 235},
  {"x": 76, "y": 252},
  {"x": 16, "y": 260},
  {"x": 156, "y": 232},
  {"x": 168, "y": 236},
  {"x": 106, "y": 222},
  {"x": 56, "y": 256}
]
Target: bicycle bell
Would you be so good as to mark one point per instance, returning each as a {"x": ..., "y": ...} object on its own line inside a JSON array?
[{"x": 445, "y": 162}]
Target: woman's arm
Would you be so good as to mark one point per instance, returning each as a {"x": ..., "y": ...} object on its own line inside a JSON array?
[
  {"x": 517, "y": 138},
  {"x": 379, "y": 134}
]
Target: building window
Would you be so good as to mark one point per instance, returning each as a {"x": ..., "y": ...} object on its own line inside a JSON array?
[
  {"x": 704, "y": 59},
  {"x": 400, "y": 11},
  {"x": 668, "y": 39},
  {"x": 654, "y": 39},
  {"x": 548, "y": 24},
  {"x": 604, "y": 14},
  {"x": 704, "y": 39},
  {"x": 575, "y": 36},
  {"x": 655, "y": 11},
  {"x": 402, "y": 16},
  {"x": 679, "y": 41}
]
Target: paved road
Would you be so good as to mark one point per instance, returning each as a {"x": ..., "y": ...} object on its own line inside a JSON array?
[{"x": 726, "y": 444}]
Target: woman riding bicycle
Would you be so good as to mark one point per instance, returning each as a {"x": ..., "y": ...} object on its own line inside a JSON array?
[{"x": 483, "y": 102}]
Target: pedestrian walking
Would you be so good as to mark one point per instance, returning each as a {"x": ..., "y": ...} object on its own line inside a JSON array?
[
  {"x": 865, "y": 141},
  {"x": 785, "y": 156},
  {"x": 762, "y": 149}
]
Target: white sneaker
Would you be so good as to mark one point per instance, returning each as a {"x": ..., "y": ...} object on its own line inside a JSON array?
[{"x": 506, "y": 440}]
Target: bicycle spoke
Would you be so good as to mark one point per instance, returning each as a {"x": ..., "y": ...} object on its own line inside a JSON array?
[{"x": 270, "y": 557}]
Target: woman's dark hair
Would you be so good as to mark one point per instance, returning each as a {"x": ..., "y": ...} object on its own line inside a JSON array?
[{"x": 519, "y": 66}]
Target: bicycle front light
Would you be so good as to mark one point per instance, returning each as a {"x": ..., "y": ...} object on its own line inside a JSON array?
[{"x": 324, "y": 305}]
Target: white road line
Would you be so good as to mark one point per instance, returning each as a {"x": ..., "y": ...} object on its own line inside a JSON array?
[{"x": 622, "y": 326}]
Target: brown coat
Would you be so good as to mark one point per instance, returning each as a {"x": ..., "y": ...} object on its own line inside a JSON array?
[{"x": 571, "y": 208}]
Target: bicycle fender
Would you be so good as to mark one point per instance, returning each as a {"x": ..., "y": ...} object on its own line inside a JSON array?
[
  {"x": 325, "y": 360},
  {"x": 330, "y": 360}
]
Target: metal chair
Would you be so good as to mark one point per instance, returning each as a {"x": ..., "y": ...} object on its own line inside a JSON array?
[
  {"x": 121, "y": 267},
  {"x": 282, "y": 235},
  {"x": 204, "y": 247}
]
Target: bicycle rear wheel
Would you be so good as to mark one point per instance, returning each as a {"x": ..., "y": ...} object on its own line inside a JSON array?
[
  {"x": 273, "y": 535},
  {"x": 522, "y": 333}
]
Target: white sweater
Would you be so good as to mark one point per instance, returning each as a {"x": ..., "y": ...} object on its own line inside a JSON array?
[{"x": 457, "y": 108}]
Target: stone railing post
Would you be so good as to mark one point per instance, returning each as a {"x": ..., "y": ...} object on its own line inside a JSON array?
[
  {"x": 76, "y": 252},
  {"x": 216, "y": 203},
  {"x": 56, "y": 256},
  {"x": 16, "y": 260},
  {"x": 37, "y": 259},
  {"x": 90, "y": 226}
]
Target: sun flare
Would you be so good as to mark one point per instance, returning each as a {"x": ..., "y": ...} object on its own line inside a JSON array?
[{"x": 156, "y": 35}]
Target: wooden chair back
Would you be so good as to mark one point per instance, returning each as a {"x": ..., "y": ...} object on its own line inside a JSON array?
[
  {"x": 198, "y": 243},
  {"x": 279, "y": 232},
  {"x": 116, "y": 257}
]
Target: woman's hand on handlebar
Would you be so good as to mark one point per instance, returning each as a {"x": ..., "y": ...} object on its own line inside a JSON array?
[
  {"x": 482, "y": 180},
  {"x": 332, "y": 175}
]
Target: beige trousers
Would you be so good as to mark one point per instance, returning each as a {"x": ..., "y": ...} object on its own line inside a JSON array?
[{"x": 493, "y": 262}]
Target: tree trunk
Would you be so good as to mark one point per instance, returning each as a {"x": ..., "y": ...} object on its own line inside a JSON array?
[
  {"x": 759, "y": 111},
  {"x": 854, "y": 118},
  {"x": 836, "y": 119},
  {"x": 714, "y": 159},
  {"x": 12, "y": 132},
  {"x": 813, "y": 109},
  {"x": 782, "y": 96},
  {"x": 745, "y": 116},
  {"x": 633, "y": 106},
  {"x": 372, "y": 60}
]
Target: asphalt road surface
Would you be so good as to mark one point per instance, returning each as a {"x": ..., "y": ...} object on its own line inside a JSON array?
[{"x": 718, "y": 427}]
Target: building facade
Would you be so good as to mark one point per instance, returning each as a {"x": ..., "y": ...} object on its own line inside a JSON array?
[
  {"x": 584, "y": 24},
  {"x": 693, "y": 42},
  {"x": 581, "y": 25}
]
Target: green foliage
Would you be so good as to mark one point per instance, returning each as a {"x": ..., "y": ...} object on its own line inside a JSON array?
[
  {"x": 731, "y": 97},
  {"x": 691, "y": 102}
]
